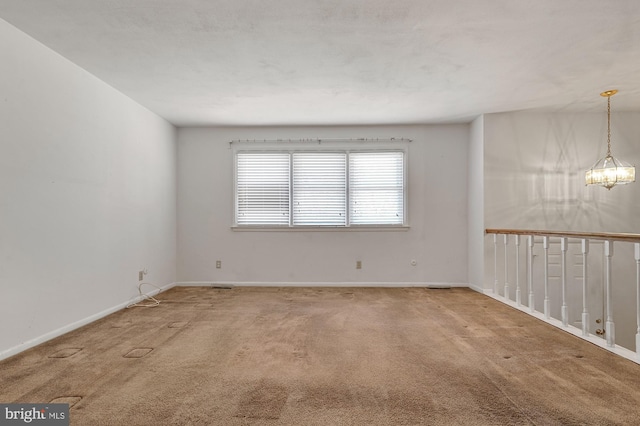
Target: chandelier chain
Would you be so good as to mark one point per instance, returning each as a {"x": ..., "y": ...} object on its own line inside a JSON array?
[{"x": 608, "y": 126}]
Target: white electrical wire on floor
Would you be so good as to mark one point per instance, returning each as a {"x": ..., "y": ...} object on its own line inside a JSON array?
[{"x": 145, "y": 300}]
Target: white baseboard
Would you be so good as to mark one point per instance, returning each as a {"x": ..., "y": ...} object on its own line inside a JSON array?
[
  {"x": 571, "y": 329},
  {"x": 476, "y": 288},
  {"x": 317, "y": 284},
  {"x": 75, "y": 325}
]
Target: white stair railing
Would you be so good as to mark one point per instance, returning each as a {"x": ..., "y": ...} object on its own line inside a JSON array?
[
  {"x": 585, "y": 306},
  {"x": 506, "y": 266},
  {"x": 547, "y": 302},
  {"x": 637, "y": 256},
  {"x": 610, "y": 329},
  {"x": 563, "y": 301},
  {"x": 564, "y": 309},
  {"x": 495, "y": 263},
  {"x": 518, "y": 296},
  {"x": 532, "y": 300}
]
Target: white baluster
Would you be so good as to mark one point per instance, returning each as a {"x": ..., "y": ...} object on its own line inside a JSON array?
[
  {"x": 532, "y": 304},
  {"x": 495, "y": 264},
  {"x": 547, "y": 304},
  {"x": 518, "y": 302},
  {"x": 585, "y": 309},
  {"x": 564, "y": 311},
  {"x": 610, "y": 330},
  {"x": 506, "y": 267},
  {"x": 637, "y": 252}
]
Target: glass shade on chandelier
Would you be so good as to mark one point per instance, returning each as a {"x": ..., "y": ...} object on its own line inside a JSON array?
[{"x": 609, "y": 171}]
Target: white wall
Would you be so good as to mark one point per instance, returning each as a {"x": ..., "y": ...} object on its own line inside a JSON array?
[
  {"x": 534, "y": 173},
  {"x": 437, "y": 238},
  {"x": 534, "y": 179},
  {"x": 87, "y": 195},
  {"x": 535, "y": 163}
]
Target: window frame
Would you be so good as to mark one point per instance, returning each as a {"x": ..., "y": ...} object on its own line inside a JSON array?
[{"x": 346, "y": 147}]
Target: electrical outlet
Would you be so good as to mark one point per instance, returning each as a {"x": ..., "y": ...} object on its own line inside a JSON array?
[
  {"x": 358, "y": 264},
  {"x": 218, "y": 264},
  {"x": 140, "y": 275}
]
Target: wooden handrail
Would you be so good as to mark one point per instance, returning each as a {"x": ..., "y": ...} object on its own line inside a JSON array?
[{"x": 607, "y": 236}]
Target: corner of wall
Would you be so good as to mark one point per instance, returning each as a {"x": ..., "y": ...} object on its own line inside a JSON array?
[{"x": 475, "y": 204}]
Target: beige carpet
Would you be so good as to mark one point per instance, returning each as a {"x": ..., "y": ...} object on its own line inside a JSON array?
[{"x": 325, "y": 356}]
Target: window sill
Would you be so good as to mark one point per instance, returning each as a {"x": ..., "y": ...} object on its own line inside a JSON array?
[{"x": 353, "y": 228}]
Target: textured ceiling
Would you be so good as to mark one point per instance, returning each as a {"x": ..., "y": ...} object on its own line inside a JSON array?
[{"x": 332, "y": 62}]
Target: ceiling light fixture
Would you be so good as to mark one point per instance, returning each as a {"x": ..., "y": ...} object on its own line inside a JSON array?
[{"x": 609, "y": 171}]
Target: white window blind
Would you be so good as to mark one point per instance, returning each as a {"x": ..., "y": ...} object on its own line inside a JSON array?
[
  {"x": 330, "y": 187},
  {"x": 262, "y": 192},
  {"x": 320, "y": 188},
  {"x": 376, "y": 188}
]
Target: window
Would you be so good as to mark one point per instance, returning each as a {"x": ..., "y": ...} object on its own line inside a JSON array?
[
  {"x": 262, "y": 188},
  {"x": 332, "y": 188},
  {"x": 376, "y": 188},
  {"x": 319, "y": 188}
]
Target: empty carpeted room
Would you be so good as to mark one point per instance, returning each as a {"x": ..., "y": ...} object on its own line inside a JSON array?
[{"x": 319, "y": 212}]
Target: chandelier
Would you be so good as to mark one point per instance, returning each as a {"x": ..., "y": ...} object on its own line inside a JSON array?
[{"x": 609, "y": 171}]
